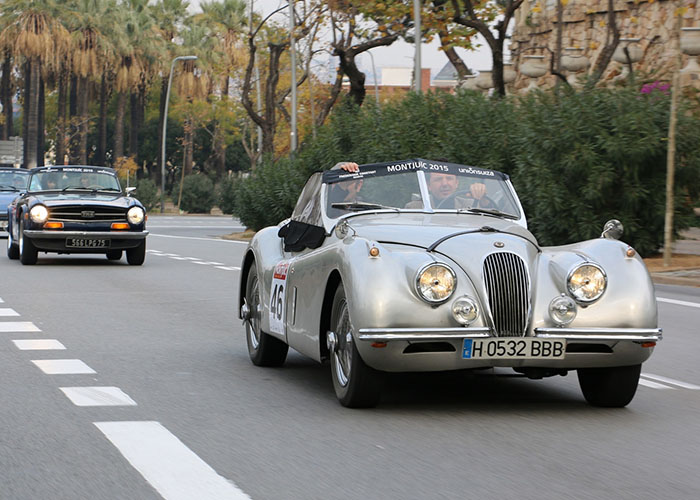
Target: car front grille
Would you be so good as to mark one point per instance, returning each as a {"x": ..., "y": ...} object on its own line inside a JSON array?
[
  {"x": 508, "y": 288},
  {"x": 83, "y": 213}
]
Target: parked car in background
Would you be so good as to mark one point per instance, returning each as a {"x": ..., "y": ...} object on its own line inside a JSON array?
[
  {"x": 76, "y": 209},
  {"x": 13, "y": 182},
  {"x": 423, "y": 265}
]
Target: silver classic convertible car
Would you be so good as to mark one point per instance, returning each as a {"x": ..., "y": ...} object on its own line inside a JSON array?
[{"x": 424, "y": 265}]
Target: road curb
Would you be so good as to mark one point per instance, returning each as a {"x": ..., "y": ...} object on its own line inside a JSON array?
[{"x": 660, "y": 279}]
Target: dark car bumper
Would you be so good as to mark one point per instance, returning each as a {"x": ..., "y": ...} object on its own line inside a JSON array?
[{"x": 57, "y": 241}]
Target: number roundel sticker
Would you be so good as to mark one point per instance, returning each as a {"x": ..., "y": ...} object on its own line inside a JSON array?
[{"x": 278, "y": 304}]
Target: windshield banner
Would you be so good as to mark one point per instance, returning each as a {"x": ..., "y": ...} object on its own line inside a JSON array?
[{"x": 415, "y": 165}]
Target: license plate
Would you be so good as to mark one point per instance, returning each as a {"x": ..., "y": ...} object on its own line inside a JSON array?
[
  {"x": 87, "y": 243},
  {"x": 513, "y": 348}
]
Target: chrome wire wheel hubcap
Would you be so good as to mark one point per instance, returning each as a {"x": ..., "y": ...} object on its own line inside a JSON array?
[
  {"x": 343, "y": 353},
  {"x": 252, "y": 326}
]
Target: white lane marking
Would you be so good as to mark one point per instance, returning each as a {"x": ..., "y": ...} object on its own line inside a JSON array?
[
  {"x": 653, "y": 385},
  {"x": 1, "y": 301},
  {"x": 179, "y": 258},
  {"x": 225, "y": 268},
  {"x": 38, "y": 344},
  {"x": 671, "y": 381},
  {"x": 215, "y": 263},
  {"x": 97, "y": 396},
  {"x": 678, "y": 302},
  {"x": 151, "y": 226},
  {"x": 6, "y": 311},
  {"x": 195, "y": 238},
  {"x": 18, "y": 326},
  {"x": 200, "y": 262},
  {"x": 174, "y": 470},
  {"x": 153, "y": 251},
  {"x": 192, "y": 258},
  {"x": 168, "y": 255},
  {"x": 62, "y": 366}
]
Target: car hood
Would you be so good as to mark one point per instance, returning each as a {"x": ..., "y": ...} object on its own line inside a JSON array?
[
  {"x": 86, "y": 199},
  {"x": 6, "y": 198},
  {"x": 424, "y": 230}
]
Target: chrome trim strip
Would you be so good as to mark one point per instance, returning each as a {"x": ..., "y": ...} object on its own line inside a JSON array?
[
  {"x": 605, "y": 334},
  {"x": 56, "y": 234},
  {"x": 384, "y": 334}
]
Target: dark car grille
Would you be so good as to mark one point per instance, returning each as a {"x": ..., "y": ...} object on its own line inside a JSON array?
[
  {"x": 83, "y": 213},
  {"x": 507, "y": 285}
]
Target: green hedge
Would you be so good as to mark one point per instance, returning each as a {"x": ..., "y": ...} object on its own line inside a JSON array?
[
  {"x": 147, "y": 193},
  {"x": 576, "y": 159},
  {"x": 197, "y": 194}
]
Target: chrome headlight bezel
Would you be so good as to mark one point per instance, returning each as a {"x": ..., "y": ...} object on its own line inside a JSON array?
[
  {"x": 465, "y": 306},
  {"x": 135, "y": 215},
  {"x": 420, "y": 274},
  {"x": 584, "y": 300},
  {"x": 39, "y": 214}
]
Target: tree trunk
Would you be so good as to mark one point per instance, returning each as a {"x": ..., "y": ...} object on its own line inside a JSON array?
[
  {"x": 41, "y": 137},
  {"x": 6, "y": 96},
  {"x": 188, "y": 153},
  {"x": 102, "y": 126},
  {"x": 61, "y": 118},
  {"x": 31, "y": 104},
  {"x": 119, "y": 128},
  {"x": 357, "y": 77},
  {"x": 161, "y": 117},
  {"x": 83, "y": 96},
  {"x": 73, "y": 127},
  {"x": 25, "y": 111},
  {"x": 497, "y": 58}
]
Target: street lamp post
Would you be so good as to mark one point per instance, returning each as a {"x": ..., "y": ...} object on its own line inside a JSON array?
[
  {"x": 165, "y": 126},
  {"x": 417, "y": 79}
]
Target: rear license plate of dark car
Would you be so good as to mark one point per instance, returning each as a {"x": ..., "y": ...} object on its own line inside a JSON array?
[{"x": 87, "y": 243}]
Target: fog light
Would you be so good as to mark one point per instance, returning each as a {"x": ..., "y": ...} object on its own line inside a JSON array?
[
  {"x": 464, "y": 310},
  {"x": 562, "y": 310}
]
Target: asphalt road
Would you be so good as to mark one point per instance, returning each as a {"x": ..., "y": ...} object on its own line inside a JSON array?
[{"x": 180, "y": 412}]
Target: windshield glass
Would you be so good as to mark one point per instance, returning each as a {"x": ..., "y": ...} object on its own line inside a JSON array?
[
  {"x": 67, "y": 179},
  {"x": 13, "y": 180},
  {"x": 404, "y": 185}
]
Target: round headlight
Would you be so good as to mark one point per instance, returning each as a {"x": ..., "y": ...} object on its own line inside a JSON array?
[
  {"x": 586, "y": 283},
  {"x": 464, "y": 310},
  {"x": 39, "y": 214},
  {"x": 135, "y": 215},
  {"x": 562, "y": 310},
  {"x": 435, "y": 283}
]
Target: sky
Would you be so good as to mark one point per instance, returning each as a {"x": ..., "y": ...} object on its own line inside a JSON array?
[{"x": 399, "y": 54}]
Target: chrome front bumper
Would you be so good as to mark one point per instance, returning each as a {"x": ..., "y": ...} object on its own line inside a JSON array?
[
  {"x": 59, "y": 234},
  {"x": 436, "y": 334}
]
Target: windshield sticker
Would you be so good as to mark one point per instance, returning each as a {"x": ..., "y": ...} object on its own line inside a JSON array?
[
  {"x": 80, "y": 170},
  {"x": 414, "y": 165}
]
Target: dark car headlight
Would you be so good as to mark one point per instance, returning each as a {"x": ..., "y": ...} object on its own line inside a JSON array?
[
  {"x": 39, "y": 214},
  {"x": 135, "y": 215},
  {"x": 435, "y": 283}
]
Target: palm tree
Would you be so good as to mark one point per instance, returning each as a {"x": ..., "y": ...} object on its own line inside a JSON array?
[{"x": 33, "y": 33}]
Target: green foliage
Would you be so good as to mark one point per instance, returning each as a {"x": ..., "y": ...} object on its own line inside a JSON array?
[
  {"x": 147, "y": 193},
  {"x": 225, "y": 195},
  {"x": 197, "y": 194},
  {"x": 576, "y": 159}
]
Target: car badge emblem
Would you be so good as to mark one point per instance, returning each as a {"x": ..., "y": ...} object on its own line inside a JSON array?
[
  {"x": 499, "y": 244},
  {"x": 88, "y": 214}
]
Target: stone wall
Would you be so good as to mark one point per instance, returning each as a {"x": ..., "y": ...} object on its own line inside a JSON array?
[{"x": 585, "y": 26}]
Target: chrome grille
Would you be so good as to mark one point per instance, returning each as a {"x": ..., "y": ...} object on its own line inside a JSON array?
[
  {"x": 507, "y": 285},
  {"x": 87, "y": 213}
]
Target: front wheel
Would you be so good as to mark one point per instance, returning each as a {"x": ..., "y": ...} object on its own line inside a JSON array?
[
  {"x": 12, "y": 248},
  {"x": 609, "y": 387},
  {"x": 28, "y": 253},
  {"x": 356, "y": 384},
  {"x": 136, "y": 256},
  {"x": 263, "y": 349}
]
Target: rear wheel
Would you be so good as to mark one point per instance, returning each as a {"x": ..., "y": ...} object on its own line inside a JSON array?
[
  {"x": 609, "y": 387},
  {"x": 12, "y": 248},
  {"x": 356, "y": 384},
  {"x": 136, "y": 256},
  {"x": 264, "y": 349},
  {"x": 114, "y": 254},
  {"x": 28, "y": 253}
]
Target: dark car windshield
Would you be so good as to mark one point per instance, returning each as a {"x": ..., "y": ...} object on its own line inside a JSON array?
[
  {"x": 13, "y": 180},
  {"x": 77, "y": 179}
]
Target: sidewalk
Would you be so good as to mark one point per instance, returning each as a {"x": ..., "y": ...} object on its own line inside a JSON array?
[{"x": 685, "y": 264}]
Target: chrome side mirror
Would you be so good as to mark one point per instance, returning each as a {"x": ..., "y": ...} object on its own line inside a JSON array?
[
  {"x": 129, "y": 190},
  {"x": 612, "y": 230}
]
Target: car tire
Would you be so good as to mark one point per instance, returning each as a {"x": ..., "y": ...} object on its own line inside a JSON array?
[
  {"x": 12, "y": 247},
  {"x": 114, "y": 254},
  {"x": 264, "y": 349},
  {"x": 28, "y": 253},
  {"x": 609, "y": 387},
  {"x": 136, "y": 256},
  {"x": 356, "y": 384}
]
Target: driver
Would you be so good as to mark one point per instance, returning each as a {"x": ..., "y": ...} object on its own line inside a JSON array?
[{"x": 345, "y": 191}]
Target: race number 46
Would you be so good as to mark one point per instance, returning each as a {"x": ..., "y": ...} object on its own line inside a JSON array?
[{"x": 278, "y": 304}]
